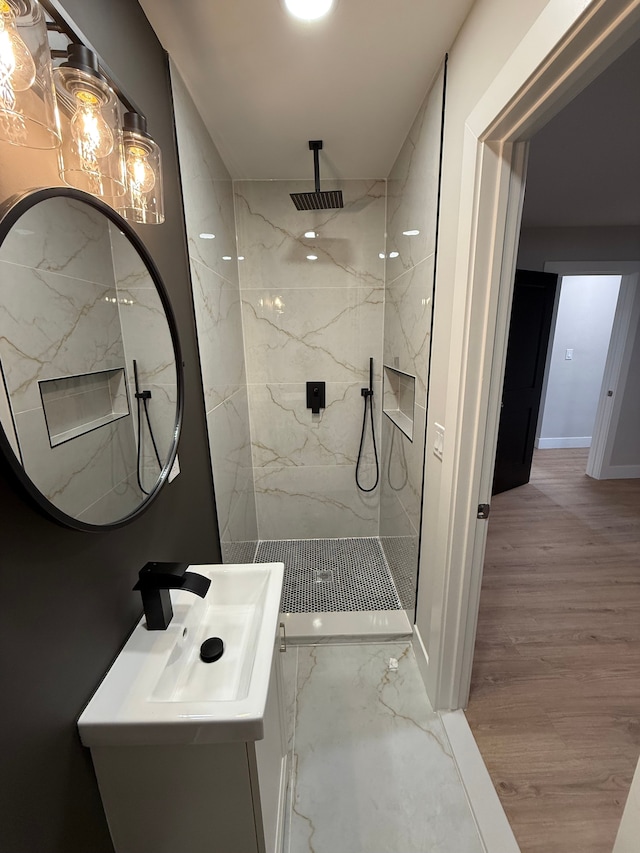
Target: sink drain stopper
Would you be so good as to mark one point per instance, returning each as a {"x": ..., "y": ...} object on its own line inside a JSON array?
[{"x": 211, "y": 650}]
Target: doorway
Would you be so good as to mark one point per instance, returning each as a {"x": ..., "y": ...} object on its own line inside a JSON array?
[{"x": 554, "y": 704}]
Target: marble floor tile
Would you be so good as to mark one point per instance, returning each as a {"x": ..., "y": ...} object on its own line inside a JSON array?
[{"x": 373, "y": 770}]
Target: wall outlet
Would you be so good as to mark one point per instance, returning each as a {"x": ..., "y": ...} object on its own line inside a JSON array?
[{"x": 438, "y": 441}]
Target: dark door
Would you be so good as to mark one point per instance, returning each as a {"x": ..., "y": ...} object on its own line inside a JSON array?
[{"x": 533, "y": 298}]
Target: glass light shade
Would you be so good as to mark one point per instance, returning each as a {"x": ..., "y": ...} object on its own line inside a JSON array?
[
  {"x": 143, "y": 200},
  {"x": 92, "y": 151},
  {"x": 28, "y": 111}
]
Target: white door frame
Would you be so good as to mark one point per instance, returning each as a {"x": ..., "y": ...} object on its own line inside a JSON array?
[
  {"x": 618, "y": 355},
  {"x": 614, "y": 384},
  {"x": 570, "y": 43}
]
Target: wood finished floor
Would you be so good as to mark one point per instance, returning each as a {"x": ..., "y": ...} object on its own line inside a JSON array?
[{"x": 555, "y": 692}]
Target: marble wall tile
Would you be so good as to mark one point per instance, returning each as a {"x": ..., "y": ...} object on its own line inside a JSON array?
[
  {"x": 413, "y": 188},
  {"x": 63, "y": 236},
  {"x": 129, "y": 270},
  {"x": 407, "y": 324},
  {"x": 53, "y": 325},
  {"x": 76, "y": 474},
  {"x": 220, "y": 339},
  {"x": 146, "y": 336},
  {"x": 207, "y": 189},
  {"x": 209, "y": 210},
  {"x": 374, "y": 766},
  {"x": 313, "y": 334},
  {"x": 230, "y": 444},
  {"x": 271, "y": 238},
  {"x": 119, "y": 502},
  {"x": 243, "y": 521},
  {"x": 285, "y": 432},
  {"x": 403, "y": 463},
  {"x": 313, "y": 502}
]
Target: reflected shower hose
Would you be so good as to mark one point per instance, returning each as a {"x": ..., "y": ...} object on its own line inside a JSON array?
[
  {"x": 142, "y": 397},
  {"x": 367, "y": 393}
]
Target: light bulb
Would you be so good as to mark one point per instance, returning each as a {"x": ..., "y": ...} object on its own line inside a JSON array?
[
  {"x": 89, "y": 131},
  {"x": 140, "y": 173},
  {"x": 17, "y": 68}
]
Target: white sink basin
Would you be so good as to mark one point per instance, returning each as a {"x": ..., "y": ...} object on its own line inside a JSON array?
[{"x": 160, "y": 691}]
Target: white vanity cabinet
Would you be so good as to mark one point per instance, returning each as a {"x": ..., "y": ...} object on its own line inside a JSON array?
[
  {"x": 191, "y": 757},
  {"x": 199, "y": 798}
]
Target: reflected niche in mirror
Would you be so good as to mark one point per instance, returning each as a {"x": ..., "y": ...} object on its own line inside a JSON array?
[{"x": 81, "y": 305}]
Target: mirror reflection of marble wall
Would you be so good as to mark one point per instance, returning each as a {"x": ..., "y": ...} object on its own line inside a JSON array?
[
  {"x": 61, "y": 312},
  {"x": 147, "y": 339}
]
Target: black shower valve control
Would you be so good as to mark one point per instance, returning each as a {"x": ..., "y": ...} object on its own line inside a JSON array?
[{"x": 316, "y": 397}]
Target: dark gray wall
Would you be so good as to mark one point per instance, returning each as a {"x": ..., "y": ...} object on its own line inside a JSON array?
[{"x": 66, "y": 605}]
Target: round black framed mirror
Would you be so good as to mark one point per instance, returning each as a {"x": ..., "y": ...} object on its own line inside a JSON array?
[{"x": 91, "y": 384}]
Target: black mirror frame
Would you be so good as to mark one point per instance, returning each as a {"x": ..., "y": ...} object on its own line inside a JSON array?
[{"x": 10, "y": 213}]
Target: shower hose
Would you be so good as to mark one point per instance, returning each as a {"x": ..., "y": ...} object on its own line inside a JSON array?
[
  {"x": 367, "y": 393},
  {"x": 141, "y": 398}
]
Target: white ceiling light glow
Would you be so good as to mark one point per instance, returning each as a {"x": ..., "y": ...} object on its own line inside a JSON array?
[{"x": 309, "y": 10}]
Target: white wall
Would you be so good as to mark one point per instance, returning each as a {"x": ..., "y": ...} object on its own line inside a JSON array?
[
  {"x": 485, "y": 42},
  {"x": 584, "y": 320},
  {"x": 626, "y": 447}
]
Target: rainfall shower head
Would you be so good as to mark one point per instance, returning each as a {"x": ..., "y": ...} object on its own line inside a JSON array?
[{"x": 317, "y": 200}]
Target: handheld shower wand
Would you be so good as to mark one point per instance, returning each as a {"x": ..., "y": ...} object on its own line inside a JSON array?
[
  {"x": 141, "y": 398},
  {"x": 367, "y": 393}
]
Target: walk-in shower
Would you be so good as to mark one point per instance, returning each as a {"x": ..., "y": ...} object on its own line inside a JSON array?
[{"x": 309, "y": 314}]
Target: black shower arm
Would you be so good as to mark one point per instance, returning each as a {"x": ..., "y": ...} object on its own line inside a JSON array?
[{"x": 315, "y": 145}]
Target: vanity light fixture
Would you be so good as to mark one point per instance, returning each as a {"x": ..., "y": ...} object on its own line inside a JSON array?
[
  {"x": 143, "y": 200},
  {"x": 28, "y": 113},
  {"x": 76, "y": 109},
  {"x": 309, "y": 10},
  {"x": 91, "y": 157}
]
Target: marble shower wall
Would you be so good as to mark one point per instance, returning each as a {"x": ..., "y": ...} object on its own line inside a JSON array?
[
  {"x": 209, "y": 210},
  {"x": 311, "y": 320},
  {"x": 411, "y": 243},
  {"x": 146, "y": 338},
  {"x": 60, "y": 320}
]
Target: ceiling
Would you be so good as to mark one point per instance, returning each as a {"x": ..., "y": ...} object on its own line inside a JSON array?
[
  {"x": 265, "y": 83},
  {"x": 584, "y": 165}
]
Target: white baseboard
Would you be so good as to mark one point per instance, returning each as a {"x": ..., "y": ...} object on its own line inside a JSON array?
[
  {"x": 571, "y": 441},
  {"x": 619, "y": 472},
  {"x": 491, "y": 821}
]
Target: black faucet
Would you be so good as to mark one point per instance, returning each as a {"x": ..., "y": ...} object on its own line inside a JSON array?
[{"x": 156, "y": 579}]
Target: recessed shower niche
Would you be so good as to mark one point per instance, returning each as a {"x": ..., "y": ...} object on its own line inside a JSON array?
[
  {"x": 399, "y": 397},
  {"x": 74, "y": 405}
]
